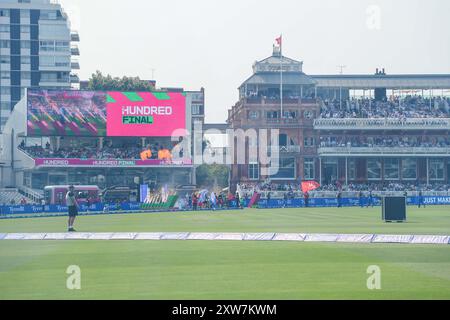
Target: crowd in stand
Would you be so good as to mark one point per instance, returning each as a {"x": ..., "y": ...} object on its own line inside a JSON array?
[
  {"x": 107, "y": 152},
  {"x": 268, "y": 186},
  {"x": 249, "y": 188},
  {"x": 396, "y": 108},
  {"x": 384, "y": 141},
  {"x": 276, "y": 96},
  {"x": 384, "y": 186}
]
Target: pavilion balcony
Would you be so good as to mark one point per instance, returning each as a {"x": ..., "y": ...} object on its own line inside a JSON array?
[
  {"x": 74, "y": 36},
  {"x": 382, "y": 124},
  {"x": 384, "y": 151},
  {"x": 281, "y": 121},
  {"x": 277, "y": 101},
  {"x": 284, "y": 149}
]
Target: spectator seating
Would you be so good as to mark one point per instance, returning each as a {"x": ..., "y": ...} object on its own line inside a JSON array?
[{"x": 11, "y": 196}]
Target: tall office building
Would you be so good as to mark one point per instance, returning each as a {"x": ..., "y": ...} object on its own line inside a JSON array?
[{"x": 36, "y": 50}]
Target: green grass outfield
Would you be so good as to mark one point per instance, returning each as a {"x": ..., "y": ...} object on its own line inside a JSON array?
[{"x": 229, "y": 269}]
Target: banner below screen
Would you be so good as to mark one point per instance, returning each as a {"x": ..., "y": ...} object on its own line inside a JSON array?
[{"x": 55, "y": 163}]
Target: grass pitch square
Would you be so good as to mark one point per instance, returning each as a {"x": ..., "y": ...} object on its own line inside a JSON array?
[{"x": 147, "y": 269}]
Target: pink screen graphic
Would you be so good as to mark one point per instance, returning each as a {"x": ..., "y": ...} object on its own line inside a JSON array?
[{"x": 145, "y": 114}]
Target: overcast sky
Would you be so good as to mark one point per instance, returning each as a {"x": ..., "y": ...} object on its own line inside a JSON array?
[{"x": 213, "y": 44}]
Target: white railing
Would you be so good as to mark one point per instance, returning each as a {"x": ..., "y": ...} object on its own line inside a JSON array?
[
  {"x": 386, "y": 124},
  {"x": 384, "y": 150},
  {"x": 28, "y": 155},
  {"x": 34, "y": 195}
]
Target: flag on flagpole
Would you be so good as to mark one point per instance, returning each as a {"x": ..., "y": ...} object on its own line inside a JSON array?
[{"x": 279, "y": 40}]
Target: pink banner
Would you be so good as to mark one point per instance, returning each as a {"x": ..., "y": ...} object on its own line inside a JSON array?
[
  {"x": 145, "y": 114},
  {"x": 109, "y": 163}
]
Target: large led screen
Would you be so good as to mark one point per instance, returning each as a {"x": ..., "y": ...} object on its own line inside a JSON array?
[
  {"x": 66, "y": 113},
  {"x": 94, "y": 113},
  {"x": 155, "y": 114}
]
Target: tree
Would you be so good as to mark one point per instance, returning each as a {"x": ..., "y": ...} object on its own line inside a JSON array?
[
  {"x": 212, "y": 175},
  {"x": 98, "y": 81}
]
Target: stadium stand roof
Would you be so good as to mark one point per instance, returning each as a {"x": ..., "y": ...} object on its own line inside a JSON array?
[
  {"x": 289, "y": 78},
  {"x": 267, "y": 72},
  {"x": 398, "y": 81}
]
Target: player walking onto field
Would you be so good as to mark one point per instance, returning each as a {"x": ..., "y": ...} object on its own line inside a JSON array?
[
  {"x": 306, "y": 197},
  {"x": 72, "y": 204},
  {"x": 361, "y": 196},
  {"x": 339, "y": 199},
  {"x": 370, "y": 200},
  {"x": 421, "y": 202}
]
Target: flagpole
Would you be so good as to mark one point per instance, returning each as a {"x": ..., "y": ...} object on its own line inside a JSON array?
[{"x": 281, "y": 75}]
